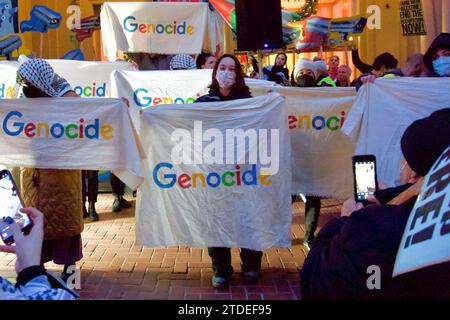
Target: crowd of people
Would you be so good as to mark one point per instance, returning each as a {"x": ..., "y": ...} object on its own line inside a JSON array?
[{"x": 335, "y": 267}]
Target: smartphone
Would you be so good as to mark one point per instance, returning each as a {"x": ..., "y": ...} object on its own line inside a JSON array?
[
  {"x": 10, "y": 205},
  {"x": 365, "y": 176}
]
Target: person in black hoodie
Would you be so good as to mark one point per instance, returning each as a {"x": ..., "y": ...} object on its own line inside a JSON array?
[
  {"x": 437, "y": 58},
  {"x": 228, "y": 84},
  {"x": 336, "y": 267}
]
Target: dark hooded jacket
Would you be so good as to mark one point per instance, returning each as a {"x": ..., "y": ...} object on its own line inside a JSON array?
[
  {"x": 337, "y": 265},
  {"x": 441, "y": 41}
]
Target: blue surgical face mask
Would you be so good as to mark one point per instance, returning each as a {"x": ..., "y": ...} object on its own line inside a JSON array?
[{"x": 442, "y": 66}]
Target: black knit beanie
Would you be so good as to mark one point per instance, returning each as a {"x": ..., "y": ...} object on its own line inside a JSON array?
[{"x": 425, "y": 140}]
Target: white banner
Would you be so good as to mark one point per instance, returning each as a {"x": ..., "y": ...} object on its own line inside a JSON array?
[
  {"x": 70, "y": 133},
  {"x": 224, "y": 203},
  {"x": 321, "y": 153},
  {"x": 8, "y": 73},
  {"x": 151, "y": 88},
  {"x": 321, "y": 156},
  {"x": 89, "y": 79},
  {"x": 154, "y": 27},
  {"x": 382, "y": 112},
  {"x": 426, "y": 240}
]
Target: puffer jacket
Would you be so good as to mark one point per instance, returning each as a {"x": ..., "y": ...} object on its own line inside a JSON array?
[{"x": 56, "y": 193}]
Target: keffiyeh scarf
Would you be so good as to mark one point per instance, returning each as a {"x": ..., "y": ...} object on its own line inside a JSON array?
[{"x": 41, "y": 74}]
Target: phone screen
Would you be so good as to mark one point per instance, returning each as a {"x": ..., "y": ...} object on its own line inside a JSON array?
[
  {"x": 10, "y": 205},
  {"x": 365, "y": 177}
]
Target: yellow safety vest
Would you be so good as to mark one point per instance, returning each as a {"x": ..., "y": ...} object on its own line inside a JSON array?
[{"x": 328, "y": 80}]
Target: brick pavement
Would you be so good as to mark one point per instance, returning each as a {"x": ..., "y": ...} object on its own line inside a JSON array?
[{"x": 113, "y": 267}]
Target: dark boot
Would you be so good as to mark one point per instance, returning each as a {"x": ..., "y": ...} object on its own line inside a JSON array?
[
  {"x": 124, "y": 203},
  {"x": 92, "y": 213},
  {"x": 312, "y": 212},
  {"x": 85, "y": 212}
]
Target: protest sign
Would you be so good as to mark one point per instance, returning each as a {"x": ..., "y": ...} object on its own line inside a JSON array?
[{"x": 426, "y": 240}]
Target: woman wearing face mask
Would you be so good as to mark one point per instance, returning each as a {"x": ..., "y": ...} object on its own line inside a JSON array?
[
  {"x": 228, "y": 84},
  {"x": 55, "y": 192},
  {"x": 437, "y": 58},
  {"x": 278, "y": 72}
]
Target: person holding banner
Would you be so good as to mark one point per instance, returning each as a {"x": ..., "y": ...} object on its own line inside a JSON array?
[
  {"x": 228, "y": 84},
  {"x": 348, "y": 249},
  {"x": 305, "y": 75},
  {"x": 55, "y": 192}
]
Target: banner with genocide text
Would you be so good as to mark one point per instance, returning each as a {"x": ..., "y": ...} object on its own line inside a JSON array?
[
  {"x": 321, "y": 153},
  {"x": 153, "y": 27},
  {"x": 217, "y": 175},
  {"x": 89, "y": 79},
  {"x": 70, "y": 133},
  {"x": 8, "y": 74}
]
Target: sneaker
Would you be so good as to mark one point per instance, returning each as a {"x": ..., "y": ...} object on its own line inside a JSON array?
[
  {"x": 116, "y": 207},
  {"x": 251, "y": 277},
  {"x": 124, "y": 203},
  {"x": 219, "y": 282}
]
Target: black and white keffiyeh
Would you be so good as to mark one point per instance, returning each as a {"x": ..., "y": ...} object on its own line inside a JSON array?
[
  {"x": 41, "y": 74},
  {"x": 182, "y": 62}
]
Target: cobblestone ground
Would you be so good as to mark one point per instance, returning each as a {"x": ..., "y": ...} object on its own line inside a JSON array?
[{"x": 113, "y": 267}]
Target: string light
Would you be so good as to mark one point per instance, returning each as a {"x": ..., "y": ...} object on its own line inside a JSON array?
[{"x": 308, "y": 9}]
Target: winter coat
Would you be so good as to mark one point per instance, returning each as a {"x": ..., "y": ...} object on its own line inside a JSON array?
[
  {"x": 56, "y": 193},
  {"x": 214, "y": 96},
  {"x": 337, "y": 267}
]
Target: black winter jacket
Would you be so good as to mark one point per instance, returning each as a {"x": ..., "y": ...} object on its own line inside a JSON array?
[
  {"x": 214, "y": 96},
  {"x": 337, "y": 265}
]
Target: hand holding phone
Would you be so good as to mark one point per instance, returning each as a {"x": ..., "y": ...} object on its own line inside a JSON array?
[
  {"x": 28, "y": 248},
  {"x": 10, "y": 205},
  {"x": 365, "y": 177}
]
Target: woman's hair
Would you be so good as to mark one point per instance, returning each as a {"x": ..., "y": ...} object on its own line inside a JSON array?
[
  {"x": 201, "y": 59},
  {"x": 385, "y": 59},
  {"x": 279, "y": 54},
  {"x": 239, "y": 86}
]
